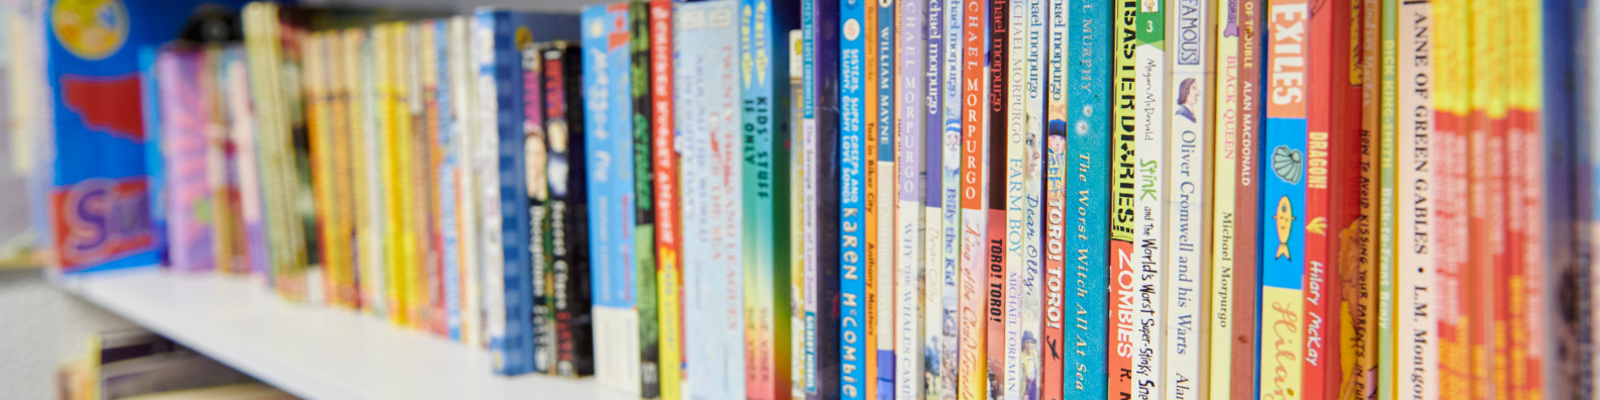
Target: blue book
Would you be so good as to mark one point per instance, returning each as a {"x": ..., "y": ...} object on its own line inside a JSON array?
[
  {"x": 608, "y": 131},
  {"x": 764, "y": 112},
  {"x": 823, "y": 92},
  {"x": 932, "y": 197},
  {"x": 1563, "y": 188},
  {"x": 447, "y": 136},
  {"x": 852, "y": 201},
  {"x": 706, "y": 75},
  {"x": 1088, "y": 170},
  {"x": 511, "y": 330}
]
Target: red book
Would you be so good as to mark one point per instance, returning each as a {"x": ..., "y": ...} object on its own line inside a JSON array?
[
  {"x": 1333, "y": 156},
  {"x": 1247, "y": 192},
  {"x": 999, "y": 29}
]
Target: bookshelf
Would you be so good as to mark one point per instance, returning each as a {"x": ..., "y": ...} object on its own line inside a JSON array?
[{"x": 311, "y": 350}]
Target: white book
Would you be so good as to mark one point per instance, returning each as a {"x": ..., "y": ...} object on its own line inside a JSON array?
[
  {"x": 1016, "y": 103},
  {"x": 1416, "y": 338},
  {"x": 1030, "y": 347},
  {"x": 1185, "y": 263},
  {"x": 468, "y": 218},
  {"x": 910, "y": 95},
  {"x": 1149, "y": 238},
  {"x": 949, "y": 232}
]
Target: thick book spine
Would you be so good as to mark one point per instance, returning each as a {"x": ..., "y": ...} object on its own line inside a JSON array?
[
  {"x": 882, "y": 123},
  {"x": 1030, "y": 282},
  {"x": 1326, "y": 160},
  {"x": 1124, "y": 287},
  {"x": 764, "y": 27},
  {"x": 1187, "y": 185},
  {"x": 824, "y": 92},
  {"x": 1247, "y": 201},
  {"x": 1452, "y": 102},
  {"x": 1000, "y": 29},
  {"x": 972, "y": 367},
  {"x": 569, "y": 199},
  {"x": 910, "y": 75},
  {"x": 1283, "y": 244},
  {"x": 538, "y": 193},
  {"x": 1487, "y": 147},
  {"x": 1530, "y": 195},
  {"x": 510, "y": 344},
  {"x": 1087, "y": 127},
  {"x": 1224, "y": 221},
  {"x": 1389, "y": 200},
  {"x": 1416, "y": 318},
  {"x": 949, "y": 103},
  {"x": 855, "y": 221},
  {"x": 1053, "y": 357},
  {"x": 1359, "y": 320},
  {"x": 644, "y": 222},
  {"x": 608, "y": 128},
  {"x": 1150, "y": 220},
  {"x": 668, "y": 246},
  {"x": 935, "y": 22}
]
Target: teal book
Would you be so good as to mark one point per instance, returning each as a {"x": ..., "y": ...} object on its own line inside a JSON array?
[{"x": 764, "y": 112}]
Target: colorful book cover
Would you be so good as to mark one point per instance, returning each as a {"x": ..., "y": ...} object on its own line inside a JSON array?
[
  {"x": 1124, "y": 293},
  {"x": 764, "y": 97},
  {"x": 797, "y": 214},
  {"x": 1530, "y": 318},
  {"x": 384, "y": 38},
  {"x": 219, "y": 163},
  {"x": 1001, "y": 26},
  {"x": 1247, "y": 204},
  {"x": 1150, "y": 219},
  {"x": 855, "y": 223},
  {"x": 803, "y": 79},
  {"x": 707, "y": 119},
  {"x": 910, "y": 74},
  {"x": 446, "y": 182},
  {"x": 1283, "y": 245},
  {"x": 644, "y": 200},
  {"x": 1555, "y": 96},
  {"x": 1329, "y": 197},
  {"x": 1490, "y": 270},
  {"x": 1053, "y": 360},
  {"x": 1358, "y": 324},
  {"x": 1417, "y": 313},
  {"x": 880, "y": 183},
  {"x": 242, "y": 131},
  {"x": 1031, "y": 255},
  {"x": 932, "y": 114},
  {"x": 608, "y": 126},
  {"x": 569, "y": 202},
  {"x": 948, "y": 94},
  {"x": 972, "y": 368},
  {"x": 98, "y": 142},
  {"x": 1225, "y": 178},
  {"x": 184, "y": 104},
  {"x": 1016, "y": 207},
  {"x": 1389, "y": 206},
  {"x": 510, "y": 328},
  {"x": 827, "y": 322},
  {"x": 1454, "y": 255},
  {"x": 536, "y": 178},
  {"x": 1187, "y": 185},
  {"x": 664, "y": 168},
  {"x": 1085, "y": 126}
]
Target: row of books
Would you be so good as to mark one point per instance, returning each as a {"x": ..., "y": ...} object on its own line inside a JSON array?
[{"x": 912, "y": 199}]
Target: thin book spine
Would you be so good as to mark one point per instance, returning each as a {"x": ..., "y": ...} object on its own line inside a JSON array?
[
  {"x": 1359, "y": 361},
  {"x": 644, "y": 224},
  {"x": 463, "y": 107},
  {"x": 1318, "y": 321},
  {"x": 806, "y": 173},
  {"x": 871, "y": 200},
  {"x": 1416, "y": 318},
  {"x": 949, "y": 99},
  {"x": 882, "y": 125},
  {"x": 798, "y": 337},
  {"x": 1087, "y": 127},
  {"x": 1188, "y": 183},
  {"x": 909, "y": 188},
  {"x": 972, "y": 367},
  {"x": 538, "y": 193},
  {"x": 854, "y": 250},
  {"x": 664, "y": 168},
  {"x": 608, "y": 128},
  {"x": 1452, "y": 101},
  {"x": 1150, "y": 219},
  {"x": 1532, "y": 191},
  {"x": 429, "y": 158},
  {"x": 569, "y": 200},
  {"x": 1029, "y": 280},
  {"x": 1224, "y": 221},
  {"x": 1053, "y": 357},
  {"x": 1014, "y": 235},
  {"x": 764, "y": 95},
  {"x": 1000, "y": 29},
  {"x": 1123, "y": 329},
  {"x": 1246, "y": 294},
  {"x": 1384, "y": 75},
  {"x": 1283, "y": 244},
  {"x": 447, "y": 179},
  {"x": 935, "y": 21},
  {"x": 826, "y": 162}
]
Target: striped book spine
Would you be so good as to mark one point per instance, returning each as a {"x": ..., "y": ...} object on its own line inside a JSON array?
[
  {"x": 644, "y": 220},
  {"x": 1283, "y": 245},
  {"x": 668, "y": 233},
  {"x": 1087, "y": 125},
  {"x": 511, "y": 331},
  {"x": 855, "y": 222},
  {"x": 1123, "y": 278},
  {"x": 1224, "y": 223},
  {"x": 1150, "y": 217},
  {"x": 1187, "y": 159},
  {"x": 909, "y": 75},
  {"x": 764, "y": 88},
  {"x": 972, "y": 368}
]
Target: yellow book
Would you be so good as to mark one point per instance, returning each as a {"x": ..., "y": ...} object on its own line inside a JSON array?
[
  {"x": 1219, "y": 361},
  {"x": 385, "y": 37}
]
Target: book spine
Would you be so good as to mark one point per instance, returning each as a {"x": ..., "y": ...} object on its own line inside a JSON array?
[
  {"x": 537, "y": 178},
  {"x": 1187, "y": 185},
  {"x": 855, "y": 223},
  {"x": 370, "y": 163},
  {"x": 644, "y": 224},
  {"x": 933, "y": 224},
  {"x": 870, "y": 203},
  {"x": 910, "y": 73},
  {"x": 707, "y": 101},
  {"x": 411, "y": 127},
  {"x": 1054, "y": 358},
  {"x": 1489, "y": 241},
  {"x": 510, "y": 336},
  {"x": 948, "y": 98},
  {"x": 1417, "y": 317},
  {"x": 1125, "y": 292},
  {"x": 243, "y": 133},
  {"x": 1247, "y": 201},
  {"x": 766, "y": 251},
  {"x": 1359, "y": 356},
  {"x": 305, "y": 267},
  {"x": 428, "y": 167},
  {"x": 569, "y": 234},
  {"x": 668, "y": 244},
  {"x": 402, "y": 269},
  {"x": 806, "y": 173},
  {"x": 1563, "y": 210},
  {"x": 972, "y": 366},
  {"x": 448, "y": 181},
  {"x": 183, "y": 150},
  {"x": 314, "y": 58},
  {"x": 1016, "y": 208},
  {"x": 1150, "y": 221},
  {"x": 1531, "y": 193},
  {"x": 1030, "y": 283},
  {"x": 1318, "y": 289},
  {"x": 825, "y": 165},
  {"x": 1454, "y": 259},
  {"x": 1283, "y": 247},
  {"x": 1085, "y": 125},
  {"x": 881, "y": 181},
  {"x": 1389, "y": 200},
  {"x": 1224, "y": 221},
  {"x": 465, "y": 107},
  {"x": 608, "y": 127},
  {"x": 798, "y": 338},
  {"x": 1000, "y": 27}
]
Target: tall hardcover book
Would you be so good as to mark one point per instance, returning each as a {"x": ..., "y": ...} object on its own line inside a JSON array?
[
  {"x": 1452, "y": 250},
  {"x": 707, "y": 118},
  {"x": 1283, "y": 193},
  {"x": 1416, "y": 318},
  {"x": 764, "y": 117},
  {"x": 1150, "y": 219},
  {"x": 608, "y": 134},
  {"x": 947, "y": 95},
  {"x": 500, "y": 60},
  {"x": 1224, "y": 188},
  {"x": 1122, "y": 274},
  {"x": 910, "y": 77},
  {"x": 1247, "y": 204},
  {"x": 1085, "y": 125},
  {"x": 667, "y": 200},
  {"x": 972, "y": 369},
  {"x": 855, "y": 252},
  {"x": 824, "y": 93},
  {"x": 568, "y": 235},
  {"x": 641, "y": 37},
  {"x": 1188, "y": 182}
]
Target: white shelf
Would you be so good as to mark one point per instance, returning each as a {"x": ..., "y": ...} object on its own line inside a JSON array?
[{"x": 310, "y": 350}]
